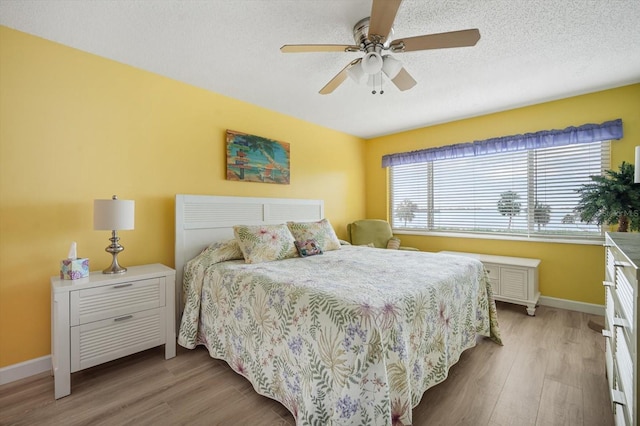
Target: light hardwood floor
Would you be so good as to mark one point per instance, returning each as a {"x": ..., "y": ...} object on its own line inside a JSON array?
[{"x": 550, "y": 371}]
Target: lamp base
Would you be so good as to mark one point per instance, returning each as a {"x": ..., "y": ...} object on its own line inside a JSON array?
[
  {"x": 115, "y": 269},
  {"x": 114, "y": 248}
]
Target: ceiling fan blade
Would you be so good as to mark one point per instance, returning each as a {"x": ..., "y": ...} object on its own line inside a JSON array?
[
  {"x": 338, "y": 79},
  {"x": 439, "y": 41},
  {"x": 403, "y": 80},
  {"x": 383, "y": 13},
  {"x": 301, "y": 48}
]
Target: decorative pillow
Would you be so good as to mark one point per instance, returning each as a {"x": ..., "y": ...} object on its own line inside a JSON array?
[
  {"x": 321, "y": 231},
  {"x": 308, "y": 248},
  {"x": 223, "y": 251},
  {"x": 393, "y": 243},
  {"x": 264, "y": 243}
]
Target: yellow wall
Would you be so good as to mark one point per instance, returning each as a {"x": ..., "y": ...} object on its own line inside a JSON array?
[
  {"x": 567, "y": 271},
  {"x": 74, "y": 127}
]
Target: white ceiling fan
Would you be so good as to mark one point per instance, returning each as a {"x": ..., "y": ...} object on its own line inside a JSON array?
[{"x": 373, "y": 37}]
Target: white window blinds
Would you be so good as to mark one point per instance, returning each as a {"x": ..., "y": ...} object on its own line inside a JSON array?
[{"x": 523, "y": 193}]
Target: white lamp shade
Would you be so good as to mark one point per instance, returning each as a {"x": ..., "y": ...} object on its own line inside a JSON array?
[
  {"x": 356, "y": 74},
  {"x": 110, "y": 215},
  {"x": 372, "y": 63},
  {"x": 391, "y": 66},
  {"x": 637, "y": 175}
]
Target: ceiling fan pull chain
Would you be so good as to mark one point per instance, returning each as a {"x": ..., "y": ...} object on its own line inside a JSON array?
[{"x": 373, "y": 84}]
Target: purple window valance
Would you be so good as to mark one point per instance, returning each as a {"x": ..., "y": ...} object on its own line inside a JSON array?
[{"x": 544, "y": 139}]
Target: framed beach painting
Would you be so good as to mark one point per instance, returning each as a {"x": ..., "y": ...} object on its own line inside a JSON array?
[{"x": 256, "y": 159}]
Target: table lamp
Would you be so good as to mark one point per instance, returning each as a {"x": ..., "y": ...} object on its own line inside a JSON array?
[{"x": 113, "y": 215}]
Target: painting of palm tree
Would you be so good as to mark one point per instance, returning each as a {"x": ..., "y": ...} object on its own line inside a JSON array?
[{"x": 253, "y": 158}]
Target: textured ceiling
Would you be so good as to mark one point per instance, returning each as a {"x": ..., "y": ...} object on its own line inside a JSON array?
[{"x": 530, "y": 51}]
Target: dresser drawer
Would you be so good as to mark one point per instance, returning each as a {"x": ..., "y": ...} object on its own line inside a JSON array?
[
  {"x": 624, "y": 366},
  {"x": 610, "y": 309},
  {"x": 610, "y": 270},
  {"x": 622, "y": 415},
  {"x": 95, "y": 304},
  {"x": 106, "y": 340},
  {"x": 608, "y": 359},
  {"x": 609, "y": 333},
  {"x": 624, "y": 294}
]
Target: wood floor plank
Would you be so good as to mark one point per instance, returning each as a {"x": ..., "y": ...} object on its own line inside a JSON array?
[
  {"x": 550, "y": 371},
  {"x": 525, "y": 382},
  {"x": 593, "y": 394},
  {"x": 560, "y": 404}
]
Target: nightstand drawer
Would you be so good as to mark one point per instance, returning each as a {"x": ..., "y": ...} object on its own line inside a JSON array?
[
  {"x": 102, "y": 341},
  {"x": 115, "y": 300}
]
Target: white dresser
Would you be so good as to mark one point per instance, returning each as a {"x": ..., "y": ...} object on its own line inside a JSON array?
[
  {"x": 513, "y": 279},
  {"x": 621, "y": 323},
  {"x": 104, "y": 317}
]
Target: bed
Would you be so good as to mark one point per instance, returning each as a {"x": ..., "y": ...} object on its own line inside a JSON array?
[{"x": 351, "y": 336}]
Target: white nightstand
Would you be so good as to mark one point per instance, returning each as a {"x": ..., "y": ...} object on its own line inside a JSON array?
[{"x": 104, "y": 317}]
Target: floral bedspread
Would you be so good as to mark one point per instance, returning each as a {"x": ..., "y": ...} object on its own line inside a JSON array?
[{"x": 350, "y": 337}]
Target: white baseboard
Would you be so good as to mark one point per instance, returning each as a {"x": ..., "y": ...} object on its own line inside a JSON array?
[
  {"x": 588, "y": 308},
  {"x": 22, "y": 370}
]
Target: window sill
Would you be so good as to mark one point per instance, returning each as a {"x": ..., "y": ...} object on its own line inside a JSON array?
[{"x": 537, "y": 239}]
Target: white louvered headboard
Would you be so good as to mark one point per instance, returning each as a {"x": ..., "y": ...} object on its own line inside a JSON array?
[{"x": 204, "y": 219}]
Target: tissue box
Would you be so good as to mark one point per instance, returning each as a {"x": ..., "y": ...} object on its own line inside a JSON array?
[{"x": 73, "y": 269}]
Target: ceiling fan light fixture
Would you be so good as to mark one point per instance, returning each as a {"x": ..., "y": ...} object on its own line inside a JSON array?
[
  {"x": 391, "y": 66},
  {"x": 369, "y": 37},
  {"x": 357, "y": 74},
  {"x": 372, "y": 63}
]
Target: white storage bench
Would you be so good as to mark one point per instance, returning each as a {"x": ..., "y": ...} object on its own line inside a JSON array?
[{"x": 513, "y": 279}]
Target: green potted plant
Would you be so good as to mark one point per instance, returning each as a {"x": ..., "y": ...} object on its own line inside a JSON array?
[{"x": 611, "y": 198}]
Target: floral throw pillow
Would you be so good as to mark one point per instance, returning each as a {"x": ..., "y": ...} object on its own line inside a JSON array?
[
  {"x": 321, "y": 231},
  {"x": 308, "y": 248},
  {"x": 265, "y": 243}
]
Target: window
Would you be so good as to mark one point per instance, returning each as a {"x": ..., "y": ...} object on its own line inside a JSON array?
[{"x": 530, "y": 193}]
